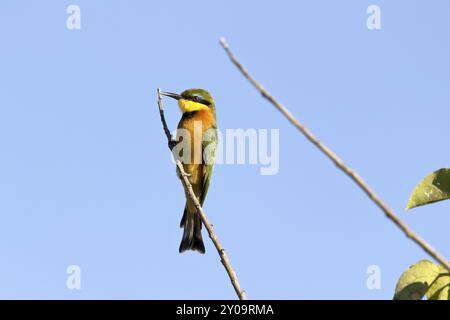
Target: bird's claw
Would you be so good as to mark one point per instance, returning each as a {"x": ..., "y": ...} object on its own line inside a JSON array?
[
  {"x": 187, "y": 175},
  {"x": 181, "y": 174}
]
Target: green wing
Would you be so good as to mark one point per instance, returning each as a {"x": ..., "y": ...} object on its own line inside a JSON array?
[{"x": 209, "y": 154}]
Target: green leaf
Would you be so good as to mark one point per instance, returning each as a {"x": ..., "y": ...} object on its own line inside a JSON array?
[
  {"x": 435, "y": 187},
  {"x": 440, "y": 287},
  {"x": 415, "y": 282}
]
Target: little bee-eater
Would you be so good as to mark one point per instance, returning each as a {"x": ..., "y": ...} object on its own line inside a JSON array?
[{"x": 198, "y": 131}]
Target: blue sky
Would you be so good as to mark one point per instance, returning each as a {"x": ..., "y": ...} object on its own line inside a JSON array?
[{"x": 86, "y": 177}]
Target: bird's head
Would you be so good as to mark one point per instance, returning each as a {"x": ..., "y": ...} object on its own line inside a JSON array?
[{"x": 191, "y": 100}]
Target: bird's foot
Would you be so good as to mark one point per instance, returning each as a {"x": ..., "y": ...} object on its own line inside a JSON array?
[{"x": 181, "y": 174}]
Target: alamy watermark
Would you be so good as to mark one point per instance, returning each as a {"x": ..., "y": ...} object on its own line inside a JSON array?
[
  {"x": 373, "y": 21},
  {"x": 373, "y": 281},
  {"x": 235, "y": 146},
  {"x": 73, "y": 21},
  {"x": 73, "y": 281}
]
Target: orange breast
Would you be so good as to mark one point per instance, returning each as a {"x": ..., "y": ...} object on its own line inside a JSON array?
[{"x": 195, "y": 126}]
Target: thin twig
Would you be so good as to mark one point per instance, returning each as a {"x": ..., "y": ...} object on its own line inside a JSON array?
[
  {"x": 337, "y": 161},
  {"x": 188, "y": 188}
]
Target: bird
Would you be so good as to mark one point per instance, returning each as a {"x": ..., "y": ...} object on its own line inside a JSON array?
[{"x": 198, "y": 124}]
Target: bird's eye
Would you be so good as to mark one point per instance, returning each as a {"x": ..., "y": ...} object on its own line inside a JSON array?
[{"x": 196, "y": 98}]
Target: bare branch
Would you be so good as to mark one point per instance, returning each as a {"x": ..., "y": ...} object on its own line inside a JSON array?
[
  {"x": 188, "y": 188},
  {"x": 337, "y": 161}
]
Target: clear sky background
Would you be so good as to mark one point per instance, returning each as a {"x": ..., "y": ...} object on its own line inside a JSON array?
[{"x": 86, "y": 177}]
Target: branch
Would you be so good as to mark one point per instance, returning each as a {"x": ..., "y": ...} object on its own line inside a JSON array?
[
  {"x": 188, "y": 189},
  {"x": 352, "y": 174}
]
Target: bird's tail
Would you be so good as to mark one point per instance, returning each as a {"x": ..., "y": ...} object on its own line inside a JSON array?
[{"x": 192, "y": 234}]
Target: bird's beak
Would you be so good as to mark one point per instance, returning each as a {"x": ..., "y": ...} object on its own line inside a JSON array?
[{"x": 171, "y": 95}]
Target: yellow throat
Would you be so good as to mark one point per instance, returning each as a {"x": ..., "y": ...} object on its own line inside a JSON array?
[{"x": 191, "y": 106}]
